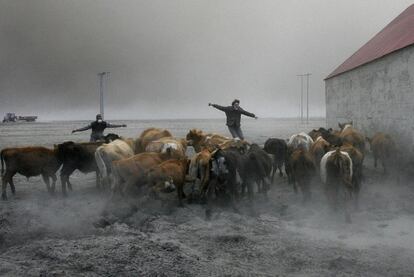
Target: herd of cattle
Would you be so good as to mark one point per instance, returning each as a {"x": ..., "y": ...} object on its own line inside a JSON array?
[{"x": 221, "y": 168}]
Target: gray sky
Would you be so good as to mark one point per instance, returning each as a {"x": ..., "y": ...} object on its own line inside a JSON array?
[{"x": 169, "y": 58}]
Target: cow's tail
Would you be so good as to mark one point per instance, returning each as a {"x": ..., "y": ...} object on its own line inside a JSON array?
[
  {"x": 2, "y": 162},
  {"x": 100, "y": 162}
]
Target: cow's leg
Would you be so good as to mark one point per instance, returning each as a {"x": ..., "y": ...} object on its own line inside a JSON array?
[
  {"x": 357, "y": 187},
  {"x": 12, "y": 187},
  {"x": 233, "y": 193},
  {"x": 259, "y": 186},
  {"x": 348, "y": 196},
  {"x": 53, "y": 176},
  {"x": 250, "y": 191},
  {"x": 295, "y": 186},
  {"x": 180, "y": 193},
  {"x": 64, "y": 179},
  {"x": 279, "y": 166},
  {"x": 331, "y": 191},
  {"x": 69, "y": 185},
  {"x": 384, "y": 166},
  {"x": 335, "y": 197},
  {"x": 99, "y": 182},
  {"x": 47, "y": 182},
  {"x": 210, "y": 191},
  {"x": 243, "y": 189},
  {"x": 116, "y": 185},
  {"x": 274, "y": 168},
  {"x": 375, "y": 160},
  {"x": 306, "y": 191},
  {"x": 266, "y": 183},
  {"x": 5, "y": 179},
  {"x": 127, "y": 187}
]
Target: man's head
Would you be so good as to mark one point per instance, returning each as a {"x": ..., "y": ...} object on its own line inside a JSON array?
[
  {"x": 235, "y": 103},
  {"x": 98, "y": 117}
]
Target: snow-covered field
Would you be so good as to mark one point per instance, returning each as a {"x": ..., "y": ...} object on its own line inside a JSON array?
[{"x": 44, "y": 235}]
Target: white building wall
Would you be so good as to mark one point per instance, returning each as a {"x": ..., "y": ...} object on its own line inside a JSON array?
[{"x": 378, "y": 96}]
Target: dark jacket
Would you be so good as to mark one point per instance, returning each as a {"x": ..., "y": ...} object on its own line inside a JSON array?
[
  {"x": 98, "y": 129},
  {"x": 233, "y": 115}
]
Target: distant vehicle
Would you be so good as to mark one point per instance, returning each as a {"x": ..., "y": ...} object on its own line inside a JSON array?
[{"x": 11, "y": 117}]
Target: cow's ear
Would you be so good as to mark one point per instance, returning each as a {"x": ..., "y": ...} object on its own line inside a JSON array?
[{"x": 340, "y": 125}]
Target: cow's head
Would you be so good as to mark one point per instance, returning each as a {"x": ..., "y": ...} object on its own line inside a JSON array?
[
  {"x": 111, "y": 137},
  {"x": 63, "y": 148},
  {"x": 218, "y": 163},
  {"x": 343, "y": 125}
]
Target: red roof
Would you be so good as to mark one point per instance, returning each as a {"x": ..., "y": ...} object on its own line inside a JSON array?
[{"x": 395, "y": 36}]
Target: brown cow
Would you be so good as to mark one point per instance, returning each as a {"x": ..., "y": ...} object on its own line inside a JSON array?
[
  {"x": 29, "y": 161},
  {"x": 330, "y": 135},
  {"x": 318, "y": 149},
  {"x": 199, "y": 140},
  {"x": 241, "y": 145},
  {"x": 336, "y": 174},
  {"x": 303, "y": 169},
  {"x": 352, "y": 136},
  {"x": 199, "y": 168},
  {"x": 77, "y": 156},
  {"x": 384, "y": 149},
  {"x": 171, "y": 172},
  {"x": 314, "y": 134},
  {"x": 133, "y": 171},
  {"x": 357, "y": 164},
  {"x": 149, "y": 135}
]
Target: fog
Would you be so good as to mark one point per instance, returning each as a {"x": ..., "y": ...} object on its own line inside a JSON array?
[
  {"x": 89, "y": 232},
  {"x": 169, "y": 59}
]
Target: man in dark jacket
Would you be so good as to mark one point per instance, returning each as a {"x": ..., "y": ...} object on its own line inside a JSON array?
[
  {"x": 233, "y": 114},
  {"x": 98, "y": 128}
]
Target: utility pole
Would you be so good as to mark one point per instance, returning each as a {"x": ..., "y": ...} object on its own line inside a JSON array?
[
  {"x": 307, "y": 97},
  {"x": 102, "y": 83},
  {"x": 301, "y": 97}
]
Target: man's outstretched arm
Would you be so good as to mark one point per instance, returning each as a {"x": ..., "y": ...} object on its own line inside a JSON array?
[
  {"x": 218, "y": 107},
  {"x": 109, "y": 125},
  {"x": 248, "y": 113},
  {"x": 82, "y": 129}
]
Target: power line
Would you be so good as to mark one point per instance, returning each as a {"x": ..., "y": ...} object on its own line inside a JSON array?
[
  {"x": 102, "y": 83},
  {"x": 307, "y": 96}
]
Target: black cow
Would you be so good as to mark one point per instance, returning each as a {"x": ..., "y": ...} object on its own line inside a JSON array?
[
  {"x": 331, "y": 136},
  {"x": 278, "y": 149},
  {"x": 224, "y": 165},
  {"x": 257, "y": 168},
  {"x": 229, "y": 166},
  {"x": 79, "y": 156}
]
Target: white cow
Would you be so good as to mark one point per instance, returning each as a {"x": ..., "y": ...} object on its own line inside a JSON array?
[
  {"x": 106, "y": 153},
  {"x": 177, "y": 146},
  {"x": 325, "y": 158},
  {"x": 301, "y": 140}
]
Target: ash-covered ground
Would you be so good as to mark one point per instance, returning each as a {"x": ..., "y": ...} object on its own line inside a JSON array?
[{"x": 44, "y": 235}]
